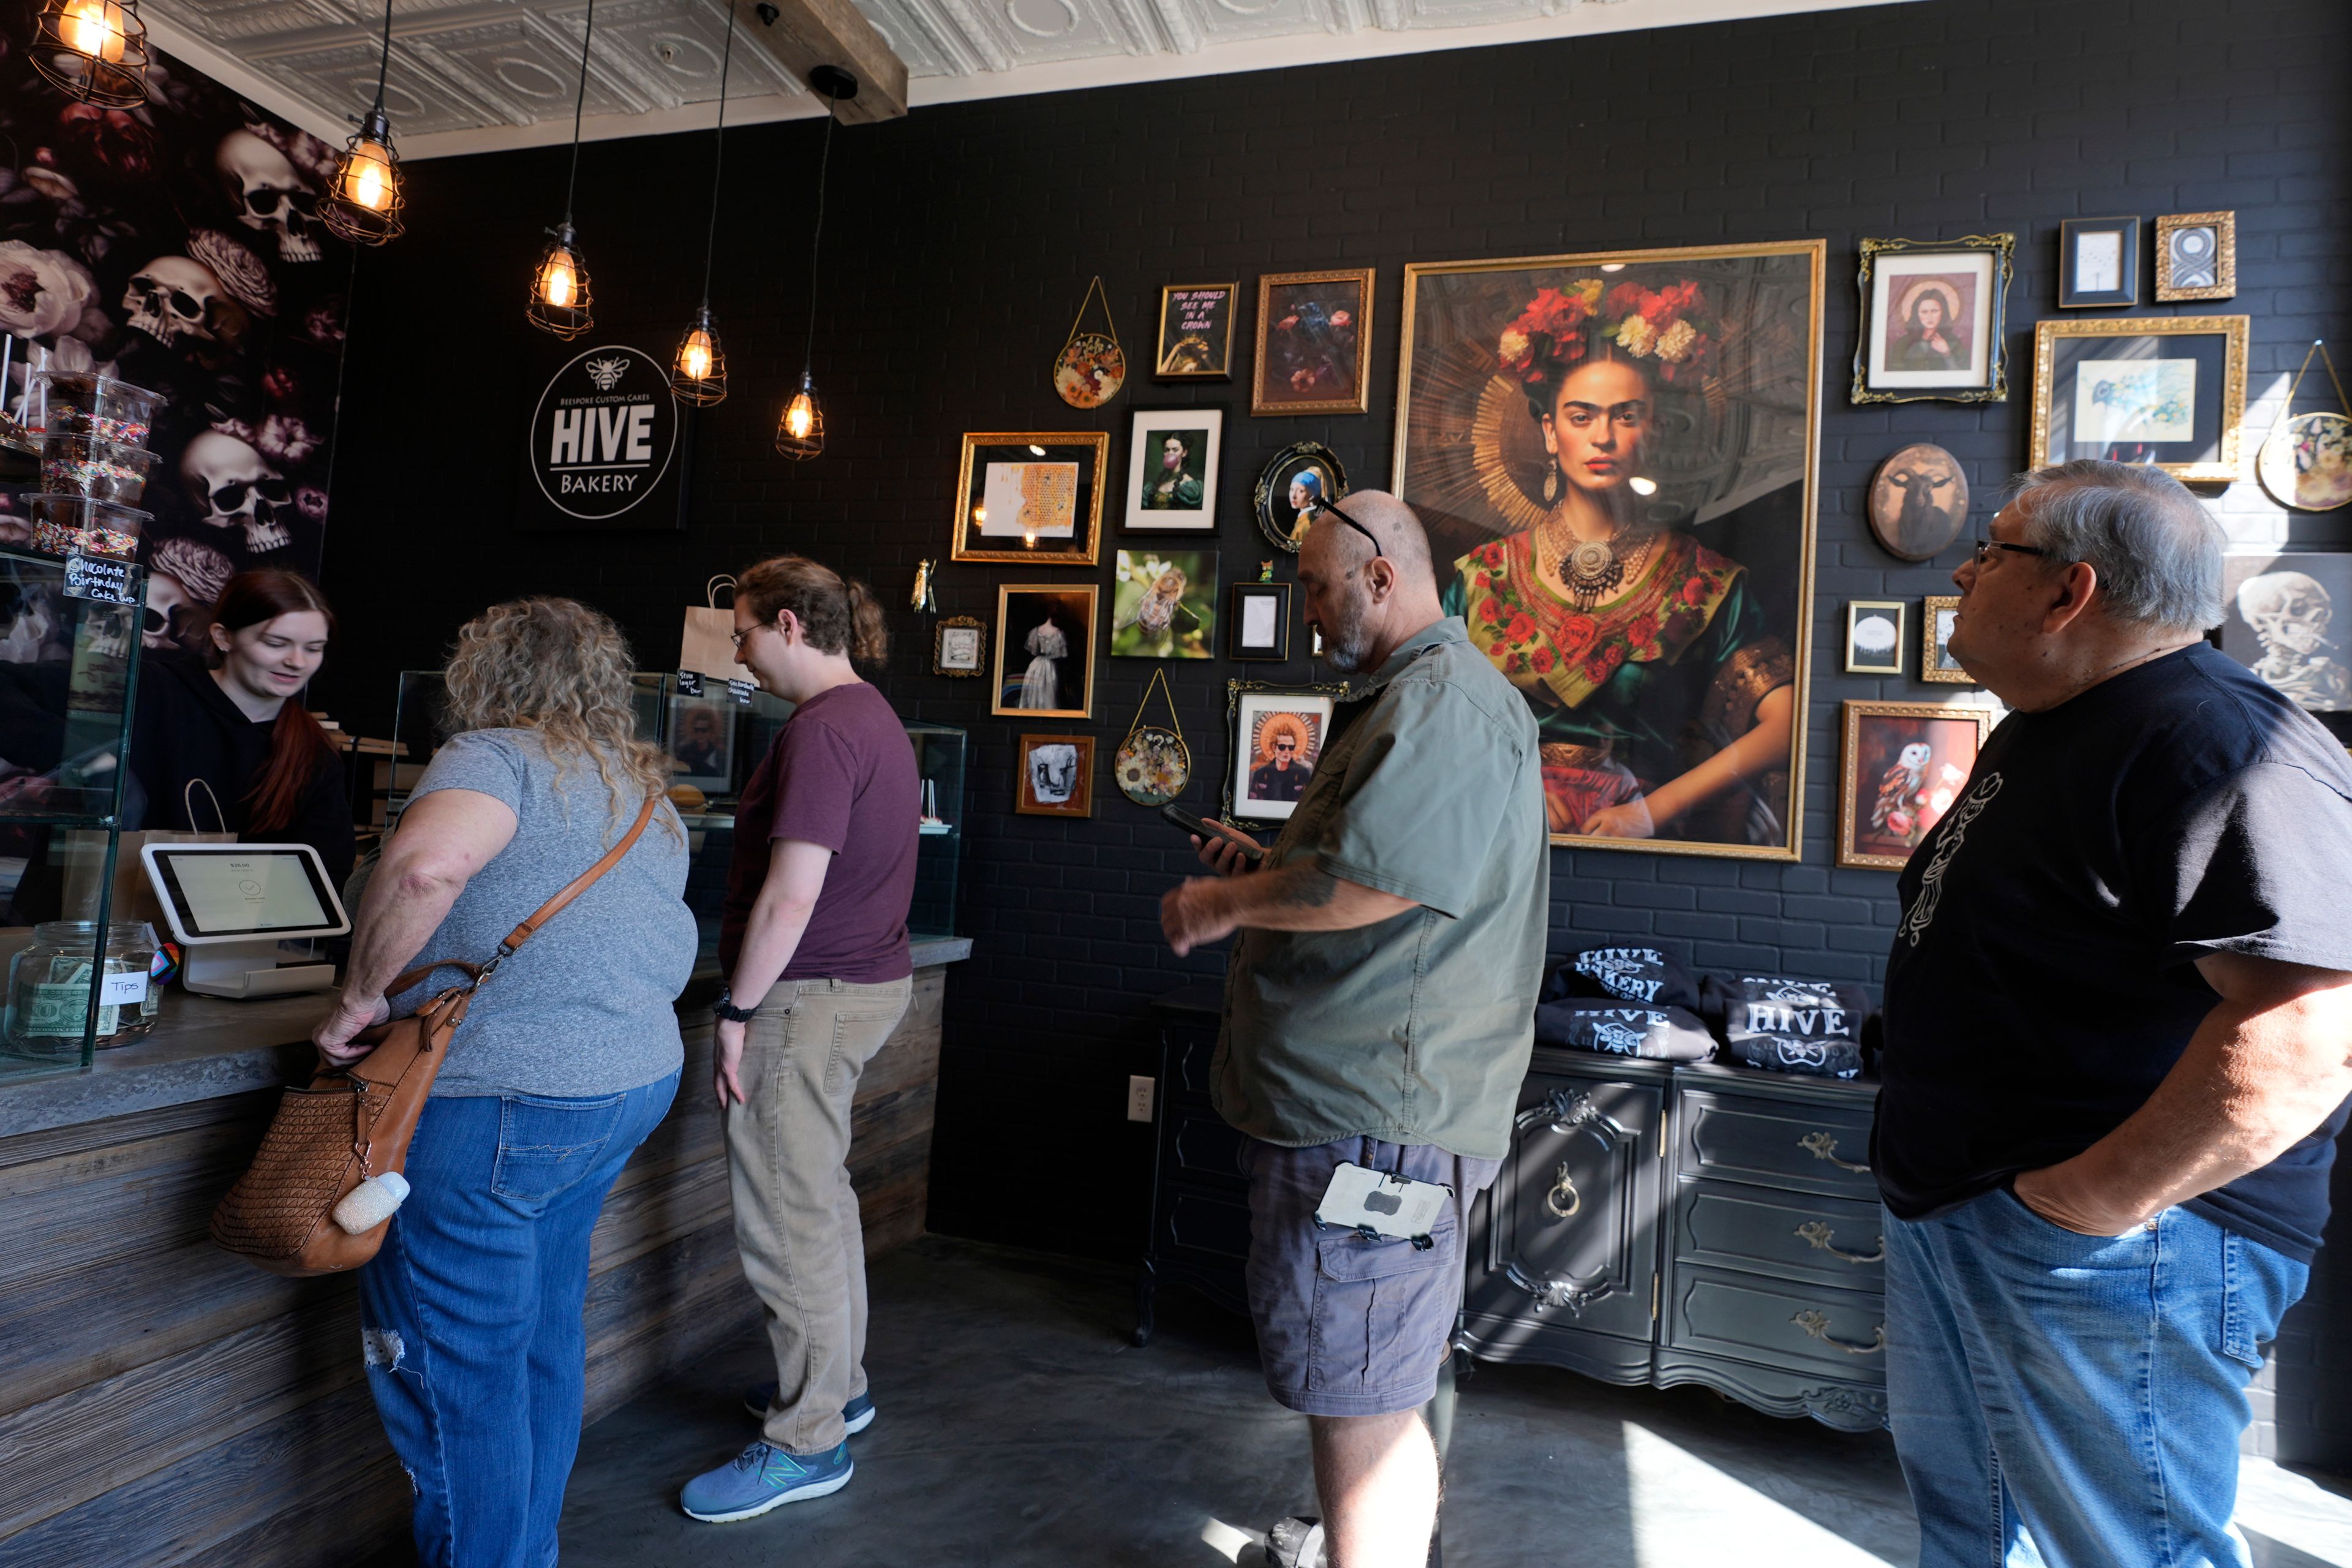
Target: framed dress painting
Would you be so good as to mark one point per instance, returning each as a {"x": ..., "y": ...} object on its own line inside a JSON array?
[{"x": 1614, "y": 457}]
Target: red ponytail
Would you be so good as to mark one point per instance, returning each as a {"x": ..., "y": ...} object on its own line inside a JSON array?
[{"x": 297, "y": 743}]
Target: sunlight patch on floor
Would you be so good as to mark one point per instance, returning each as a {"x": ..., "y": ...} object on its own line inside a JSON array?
[
  {"x": 2295, "y": 1512},
  {"x": 1684, "y": 1510}
]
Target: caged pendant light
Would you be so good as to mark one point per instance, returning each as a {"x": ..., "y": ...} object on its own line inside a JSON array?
[
  {"x": 93, "y": 51},
  {"x": 558, "y": 284},
  {"x": 800, "y": 433},
  {"x": 698, "y": 372},
  {"x": 363, "y": 201}
]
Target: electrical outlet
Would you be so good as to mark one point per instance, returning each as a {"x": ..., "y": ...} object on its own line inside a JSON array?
[{"x": 1138, "y": 1098}]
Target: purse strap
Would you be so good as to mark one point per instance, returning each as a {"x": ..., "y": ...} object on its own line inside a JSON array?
[{"x": 542, "y": 915}]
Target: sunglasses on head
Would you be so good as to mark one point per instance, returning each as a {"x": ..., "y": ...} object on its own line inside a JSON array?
[{"x": 1319, "y": 507}]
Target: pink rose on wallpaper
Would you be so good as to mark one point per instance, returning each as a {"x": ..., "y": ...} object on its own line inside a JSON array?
[{"x": 42, "y": 292}]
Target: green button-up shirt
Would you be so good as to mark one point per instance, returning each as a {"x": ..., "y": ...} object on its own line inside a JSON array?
[{"x": 1416, "y": 1029}]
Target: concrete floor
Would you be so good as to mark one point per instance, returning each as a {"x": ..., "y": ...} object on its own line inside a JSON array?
[{"x": 1018, "y": 1427}]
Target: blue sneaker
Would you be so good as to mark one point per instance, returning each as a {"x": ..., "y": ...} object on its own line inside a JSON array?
[
  {"x": 857, "y": 1414},
  {"x": 760, "y": 1478}
]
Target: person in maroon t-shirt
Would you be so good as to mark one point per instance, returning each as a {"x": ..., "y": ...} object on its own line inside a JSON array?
[{"x": 812, "y": 942}]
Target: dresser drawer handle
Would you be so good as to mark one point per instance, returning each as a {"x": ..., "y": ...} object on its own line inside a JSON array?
[
  {"x": 1824, "y": 1146},
  {"x": 1816, "y": 1323},
  {"x": 1820, "y": 1236},
  {"x": 1563, "y": 1188}
]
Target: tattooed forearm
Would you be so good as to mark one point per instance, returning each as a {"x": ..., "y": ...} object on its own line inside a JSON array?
[
  {"x": 1303, "y": 896},
  {"x": 1304, "y": 887}
]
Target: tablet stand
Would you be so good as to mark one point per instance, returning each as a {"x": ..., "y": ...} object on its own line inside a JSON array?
[{"x": 246, "y": 970}]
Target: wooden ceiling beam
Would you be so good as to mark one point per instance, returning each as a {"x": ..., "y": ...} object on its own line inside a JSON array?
[{"x": 801, "y": 34}]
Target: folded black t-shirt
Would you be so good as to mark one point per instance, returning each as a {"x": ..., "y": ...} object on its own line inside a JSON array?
[
  {"x": 1627, "y": 974},
  {"x": 1781, "y": 1025},
  {"x": 2044, "y": 978}
]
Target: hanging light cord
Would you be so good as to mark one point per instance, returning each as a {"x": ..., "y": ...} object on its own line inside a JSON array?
[
  {"x": 824, "y": 163},
  {"x": 384, "y": 61},
  {"x": 717, "y": 153},
  {"x": 587, "y": 35}
]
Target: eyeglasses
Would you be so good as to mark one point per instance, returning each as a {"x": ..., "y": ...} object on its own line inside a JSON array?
[
  {"x": 1985, "y": 547},
  {"x": 1321, "y": 506},
  {"x": 737, "y": 638}
]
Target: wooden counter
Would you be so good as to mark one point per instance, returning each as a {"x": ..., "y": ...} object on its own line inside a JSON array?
[{"x": 162, "y": 1403}]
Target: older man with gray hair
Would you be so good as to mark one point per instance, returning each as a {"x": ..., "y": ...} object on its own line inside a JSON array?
[{"x": 2119, "y": 1046}]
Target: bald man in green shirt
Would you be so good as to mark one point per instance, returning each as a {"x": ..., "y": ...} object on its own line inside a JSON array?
[{"x": 1379, "y": 1011}]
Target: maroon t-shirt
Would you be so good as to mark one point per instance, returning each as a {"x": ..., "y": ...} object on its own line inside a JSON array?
[{"x": 841, "y": 773}]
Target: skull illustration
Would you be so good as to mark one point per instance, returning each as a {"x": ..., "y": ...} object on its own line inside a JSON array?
[
  {"x": 185, "y": 576},
  {"x": 272, "y": 196},
  {"x": 172, "y": 297},
  {"x": 2289, "y": 611},
  {"x": 235, "y": 486}
]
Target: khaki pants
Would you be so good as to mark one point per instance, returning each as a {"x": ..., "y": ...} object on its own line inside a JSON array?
[{"x": 796, "y": 1215}]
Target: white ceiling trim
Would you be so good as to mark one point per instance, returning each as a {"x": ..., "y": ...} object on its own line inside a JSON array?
[{"x": 1349, "y": 38}]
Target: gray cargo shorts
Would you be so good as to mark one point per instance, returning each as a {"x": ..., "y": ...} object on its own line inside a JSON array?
[{"x": 1347, "y": 1325}]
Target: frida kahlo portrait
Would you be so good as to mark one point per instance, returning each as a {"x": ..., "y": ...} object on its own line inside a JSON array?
[{"x": 1614, "y": 458}]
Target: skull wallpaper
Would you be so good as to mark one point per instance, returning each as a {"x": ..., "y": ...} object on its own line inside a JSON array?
[{"x": 177, "y": 245}]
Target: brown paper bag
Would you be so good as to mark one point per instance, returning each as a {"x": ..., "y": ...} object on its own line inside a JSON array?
[
  {"x": 135, "y": 895},
  {"x": 708, "y": 646}
]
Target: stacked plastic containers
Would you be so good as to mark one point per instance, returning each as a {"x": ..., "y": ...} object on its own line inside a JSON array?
[{"x": 94, "y": 462}]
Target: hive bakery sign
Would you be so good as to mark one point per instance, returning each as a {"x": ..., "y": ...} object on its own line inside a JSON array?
[{"x": 605, "y": 445}]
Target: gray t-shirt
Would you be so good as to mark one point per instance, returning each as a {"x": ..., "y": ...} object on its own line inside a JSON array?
[{"x": 584, "y": 1007}]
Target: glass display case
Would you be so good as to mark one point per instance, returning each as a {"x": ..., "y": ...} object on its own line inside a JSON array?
[
  {"x": 714, "y": 736},
  {"x": 69, "y": 639}
]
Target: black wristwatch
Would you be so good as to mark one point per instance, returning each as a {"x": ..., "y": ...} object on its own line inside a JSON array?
[{"x": 725, "y": 1008}]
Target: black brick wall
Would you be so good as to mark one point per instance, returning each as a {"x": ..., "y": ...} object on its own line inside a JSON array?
[{"x": 961, "y": 239}]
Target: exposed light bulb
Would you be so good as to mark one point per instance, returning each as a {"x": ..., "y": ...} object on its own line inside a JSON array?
[
  {"x": 559, "y": 285},
  {"x": 95, "y": 28},
  {"x": 1641, "y": 487},
  {"x": 367, "y": 177},
  {"x": 694, "y": 355},
  {"x": 801, "y": 418}
]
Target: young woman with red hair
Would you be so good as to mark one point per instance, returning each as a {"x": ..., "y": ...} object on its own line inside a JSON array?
[{"x": 236, "y": 721}]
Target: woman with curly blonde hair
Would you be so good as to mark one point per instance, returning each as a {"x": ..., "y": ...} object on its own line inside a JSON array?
[{"x": 566, "y": 1060}]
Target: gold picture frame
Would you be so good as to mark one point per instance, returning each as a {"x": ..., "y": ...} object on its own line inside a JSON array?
[
  {"x": 1023, "y": 608},
  {"x": 1863, "y": 660},
  {"x": 1934, "y": 644},
  {"x": 970, "y": 538},
  {"x": 970, "y": 633},
  {"x": 1183, "y": 307},
  {"x": 1450, "y": 397},
  {"x": 1994, "y": 256},
  {"x": 1359, "y": 334},
  {"x": 2172, "y": 264},
  {"x": 2234, "y": 334},
  {"x": 1867, "y": 849}
]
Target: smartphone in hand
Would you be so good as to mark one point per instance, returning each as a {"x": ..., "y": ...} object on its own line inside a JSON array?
[{"x": 1177, "y": 817}]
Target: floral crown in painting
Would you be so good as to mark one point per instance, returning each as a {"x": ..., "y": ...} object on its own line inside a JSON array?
[{"x": 1667, "y": 333}]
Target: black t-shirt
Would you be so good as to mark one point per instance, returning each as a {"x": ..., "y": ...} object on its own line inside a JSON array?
[{"x": 2043, "y": 979}]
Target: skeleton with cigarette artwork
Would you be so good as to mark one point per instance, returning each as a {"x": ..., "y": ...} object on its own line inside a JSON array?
[{"x": 2291, "y": 614}]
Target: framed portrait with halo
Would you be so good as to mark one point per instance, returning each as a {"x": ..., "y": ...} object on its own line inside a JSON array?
[
  {"x": 1933, "y": 314},
  {"x": 1278, "y": 734},
  {"x": 1614, "y": 456},
  {"x": 2168, "y": 391}
]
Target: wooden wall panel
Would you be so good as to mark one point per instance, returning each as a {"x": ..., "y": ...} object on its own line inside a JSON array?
[{"x": 166, "y": 1404}]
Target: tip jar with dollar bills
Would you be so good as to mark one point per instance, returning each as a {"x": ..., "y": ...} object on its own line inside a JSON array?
[{"x": 48, "y": 988}]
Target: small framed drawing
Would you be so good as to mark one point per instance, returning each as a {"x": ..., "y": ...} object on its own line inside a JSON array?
[
  {"x": 2168, "y": 391},
  {"x": 1196, "y": 332},
  {"x": 1933, "y": 314},
  {"x": 1287, "y": 487},
  {"x": 702, "y": 742},
  {"x": 1172, "y": 468},
  {"x": 1031, "y": 497},
  {"x": 1057, "y": 776},
  {"x": 1905, "y": 765},
  {"x": 1164, "y": 604},
  {"x": 1257, "y": 625},
  {"x": 1937, "y": 613},
  {"x": 1045, "y": 650},
  {"x": 2098, "y": 263},
  {"x": 1279, "y": 733},
  {"x": 960, "y": 647},
  {"x": 1874, "y": 636},
  {"x": 1314, "y": 334},
  {"x": 2197, "y": 256}
]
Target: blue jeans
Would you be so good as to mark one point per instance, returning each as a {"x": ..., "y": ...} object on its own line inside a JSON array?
[
  {"x": 470, "y": 1315},
  {"x": 2065, "y": 1401}
]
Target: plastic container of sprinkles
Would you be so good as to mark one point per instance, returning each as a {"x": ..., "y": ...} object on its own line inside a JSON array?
[
  {"x": 71, "y": 524},
  {"x": 83, "y": 403},
  {"x": 100, "y": 470}
]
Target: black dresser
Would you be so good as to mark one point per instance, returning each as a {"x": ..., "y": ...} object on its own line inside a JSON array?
[{"x": 1651, "y": 1225}]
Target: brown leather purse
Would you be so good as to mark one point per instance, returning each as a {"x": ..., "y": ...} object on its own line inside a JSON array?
[{"x": 350, "y": 1123}]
